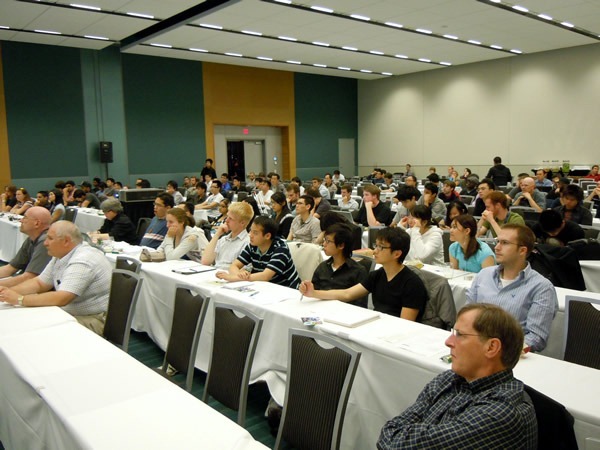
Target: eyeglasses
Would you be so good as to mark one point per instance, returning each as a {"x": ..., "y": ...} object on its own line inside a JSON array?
[
  {"x": 328, "y": 241},
  {"x": 458, "y": 334},
  {"x": 381, "y": 247},
  {"x": 505, "y": 242}
]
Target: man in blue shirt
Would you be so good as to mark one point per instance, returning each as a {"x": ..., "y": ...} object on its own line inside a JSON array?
[
  {"x": 478, "y": 404},
  {"x": 516, "y": 287},
  {"x": 157, "y": 229}
]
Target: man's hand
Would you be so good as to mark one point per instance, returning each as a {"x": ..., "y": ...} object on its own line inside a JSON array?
[
  {"x": 8, "y": 295},
  {"x": 307, "y": 288}
]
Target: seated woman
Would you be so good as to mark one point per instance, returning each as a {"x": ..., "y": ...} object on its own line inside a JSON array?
[
  {"x": 455, "y": 209},
  {"x": 223, "y": 207},
  {"x": 467, "y": 252},
  {"x": 24, "y": 202},
  {"x": 57, "y": 207},
  {"x": 8, "y": 198},
  {"x": 283, "y": 216},
  {"x": 425, "y": 239},
  {"x": 347, "y": 203},
  {"x": 183, "y": 239},
  {"x": 117, "y": 226}
]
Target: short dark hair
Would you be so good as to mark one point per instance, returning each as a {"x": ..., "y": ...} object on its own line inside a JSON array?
[
  {"x": 309, "y": 201},
  {"x": 208, "y": 160},
  {"x": 78, "y": 193},
  {"x": 397, "y": 238},
  {"x": 267, "y": 224},
  {"x": 342, "y": 235},
  {"x": 167, "y": 199},
  {"x": 71, "y": 182},
  {"x": 266, "y": 181},
  {"x": 109, "y": 178},
  {"x": 337, "y": 172},
  {"x": 293, "y": 186},
  {"x": 572, "y": 190},
  {"x": 279, "y": 198},
  {"x": 225, "y": 174},
  {"x": 276, "y": 175},
  {"x": 201, "y": 184},
  {"x": 494, "y": 322},
  {"x": 313, "y": 192},
  {"x": 407, "y": 193},
  {"x": 173, "y": 184},
  {"x": 414, "y": 178},
  {"x": 450, "y": 183},
  {"x": 145, "y": 184},
  {"x": 431, "y": 188},
  {"x": 489, "y": 182},
  {"x": 497, "y": 160},
  {"x": 347, "y": 187},
  {"x": 44, "y": 193},
  {"x": 550, "y": 220},
  {"x": 433, "y": 177},
  {"x": 189, "y": 207},
  {"x": 218, "y": 183}
]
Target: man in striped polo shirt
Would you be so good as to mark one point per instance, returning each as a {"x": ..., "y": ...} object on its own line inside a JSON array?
[{"x": 265, "y": 258}]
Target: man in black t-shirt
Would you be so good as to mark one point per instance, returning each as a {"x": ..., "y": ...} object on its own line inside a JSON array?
[
  {"x": 553, "y": 229},
  {"x": 396, "y": 290}
]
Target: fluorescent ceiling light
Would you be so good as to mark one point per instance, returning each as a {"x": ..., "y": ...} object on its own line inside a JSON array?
[
  {"x": 424, "y": 31},
  {"x": 366, "y": 71},
  {"x": 287, "y": 2},
  {"x": 425, "y": 60},
  {"x": 3, "y": 27},
  {"x": 161, "y": 45},
  {"x": 516, "y": 50},
  {"x": 237, "y": 55},
  {"x": 264, "y": 58},
  {"x": 100, "y": 38},
  {"x": 352, "y": 49},
  {"x": 376, "y": 52},
  {"x": 344, "y": 68},
  {"x": 209, "y": 25},
  {"x": 567, "y": 24},
  {"x": 253, "y": 33},
  {"x": 47, "y": 32},
  {"x": 93, "y": 8},
  {"x": 393, "y": 24},
  {"x": 520, "y": 8},
  {"x": 320, "y": 65},
  {"x": 545, "y": 16},
  {"x": 201, "y": 50},
  {"x": 450, "y": 36},
  {"x": 143, "y": 16},
  {"x": 473, "y": 41},
  {"x": 287, "y": 38},
  {"x": 389, "y": 74},
  {"x": 322, "y": 9},
  {"x": 293, "y": 62},
  {"x": 322, "y": 44},
  {"x": 497, "y": 47},
  {"x": 401, "y": 56},
  {"x": 444, "y": 63},
  {"x": 359, "y": 17}
]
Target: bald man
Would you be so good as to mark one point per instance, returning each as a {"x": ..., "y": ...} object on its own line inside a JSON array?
[
  {"x": 32, "y": 257},
  {"x": 530, "y": 196},
  {"x": 79, "y": 274}
]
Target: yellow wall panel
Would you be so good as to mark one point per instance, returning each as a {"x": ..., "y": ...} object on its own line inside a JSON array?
[{"x": 4, "y": 155}]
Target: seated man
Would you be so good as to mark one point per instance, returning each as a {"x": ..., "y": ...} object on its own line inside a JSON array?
[
  {"x": 407, "y": 196},
  {"x": 322, "y": 205},
  {"x": 530, "y": 196},
  {"x": 331, "y": 187},
  {"x": 594, "y": 173},
  {"x": 411, "y": 181},
  {"x": 85, "y": 198},
  {"x": 211, "y": 204},
  {"x": 190, "y": 192},
  {"x": 373, "y": 212},
  {"x": 541, "y": 180},
  {"x": 347, "y": 203},
  {"x": 388, "y": 183},
  {"x": 595, "y": 197},
  {"x": 317, "y": 183},
  {"x": 485, "y": 187},
  {"x": 231, "y": 237},
  {"x": 173, "y": 189},
  {"x": 448, "y": 193},
  {"x": 263, "y": 196},
  {"x": 266, "y": 258},
  {"x": 554, "y": 230},
  {"x": 201, "y": 195},
  {"x": 571, "y": 198},
  {"x": 41, "y": 199},
  {"x": 430, "y": 199},
  {"x": 340, "y": 271},
  {"x": 516, "y": 287},
  {"x": 496, "y": 214},
  {"x": 478, "y": 404},
  {"x": 396, "y": 289},
  {"x": 157, "y": 229},
  {"x": 33, "y": 257},
  {"x": 305, "y": 227},
  {"x": 77, "y": 279},
  {"x": 292, "y": 194},
  {"x": 276, "y": 184},
  {"x": 553, "y": 197}
]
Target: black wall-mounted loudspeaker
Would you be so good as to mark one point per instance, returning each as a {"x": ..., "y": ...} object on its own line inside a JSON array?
[{"x": 106, "y": 152}]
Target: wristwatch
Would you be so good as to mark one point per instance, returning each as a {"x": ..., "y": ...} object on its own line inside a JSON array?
[{"x": 20, "y": 300}]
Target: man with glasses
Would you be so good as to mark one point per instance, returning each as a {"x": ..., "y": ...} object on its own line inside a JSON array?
[
  {"x": 32, "y": 257},
  {"x": 157, "y": 229},
  {"x": 230, "y": 238},
  {"x": 396, "y": 289},
  {"x": 477, "y": 404},
  {"x": 516, "y": 287}
]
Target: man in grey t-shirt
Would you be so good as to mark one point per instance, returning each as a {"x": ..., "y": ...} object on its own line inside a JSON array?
[{"x": 33, "y": 257}]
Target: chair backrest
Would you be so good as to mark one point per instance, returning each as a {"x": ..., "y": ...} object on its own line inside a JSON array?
[
  {"x": 357, "y": 232},
  {"x": 582, "y": 331},
  {"x": 318, "y": 385},
  {"x": 124, "y": 291},
  {"x": 590, "y": 232},
  {"x": 242, "y": 195},
  {"x": 142, "y": 225},
  {"x": 70, "y": 214},
  {"x": 471, "y": 209},
  {"x": 188, "y": 316},
  {"x": 467, "y": 199},
  {"x": 586, "y": 249},
  {"x": 440, "y": 309},
  {"x": 234, "y": 344},
  {"x": 360, "y": 190},
  {"x": 446, "y": 243},
  {"x": 128, "y": 263},
  {"x": 554, "y": 422},
  {"x": 345, "y": 214},
  {"x": 306, "y": 258},
  {"x": 559, "y": 264}
]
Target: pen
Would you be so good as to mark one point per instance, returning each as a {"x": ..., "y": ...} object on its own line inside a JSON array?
[{"x": 301, "y": 297}]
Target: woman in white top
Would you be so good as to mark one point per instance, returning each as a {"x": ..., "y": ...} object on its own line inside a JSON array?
[
  {"x": 347, "y": 203},
  {"x": 183, "y": 240},
  {"x": 426, "y": 243},
  {"x": 57, "y": 207}
]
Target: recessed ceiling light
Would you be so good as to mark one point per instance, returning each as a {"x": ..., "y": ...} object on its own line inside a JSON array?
[
  {"x": 322, "y": 9},
  {"x": 47, "y": 32},
  {"x": 320, "y": 65},
  {"x": 237, "y": 55},
  {"x": 473, "y": 41},
  {"x": 393, "y": 24},
  {"x": 100, "y": 38},
  {"x": 545, "y": 16},
  {"x": 143, "y": 16},
  {"x": 520, "y": 8},
  {"x": 153, "y": 44},
  {"x": 322, "y": 44},
  {"x": 253, "y": 33},
  {"x": 291, "y": 61},
  {"x": 352, "y": 49},
  {"x": 201, "y": 50},
  {"x": 567, "y": 24},
  {"x": 344, "y": 68},
  {"x": 210, "y": 25},
  {"x": 287, "y": 38},
  {"x": 450, "y": 36},
  {"x": 401, "y": 56},
  {"x": 424, "y": 31},
  {"x": 376, "y": 52},
  {"x": 264, "y": 58},
  {"x": 93, "y": 8},
  {"x": 389, "y": 74},
  {"x": 359, "y": 17}
]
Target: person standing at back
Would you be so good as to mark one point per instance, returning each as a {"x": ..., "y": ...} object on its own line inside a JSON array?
[{"x": 499, "y": 173}]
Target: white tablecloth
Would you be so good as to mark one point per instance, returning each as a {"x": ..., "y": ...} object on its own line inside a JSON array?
[
  {"x": 591, "y": 275},
  {"x": 11, "y": 238},
  {"x": 89, "y": 219},
  {"x": 65, "y": 387}
]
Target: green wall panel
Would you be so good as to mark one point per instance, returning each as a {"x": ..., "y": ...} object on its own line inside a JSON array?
[
  {"x": 326, "y": 110},
  {"x": 164, "y": 114},
  {"x": 44, "y": 107}
]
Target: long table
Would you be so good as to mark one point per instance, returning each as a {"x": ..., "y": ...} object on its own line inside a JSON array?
[
  {"x": 11, "y": 237},
  {"x": 399, "y": 357},
  {"x": 64, "y": 387}
]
